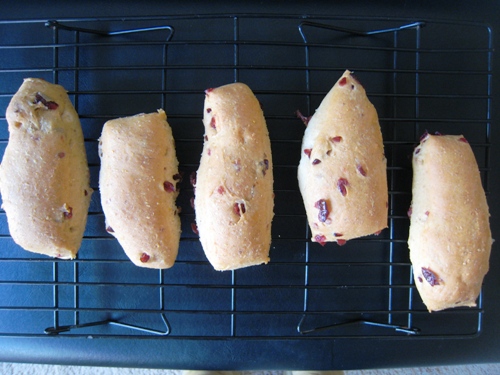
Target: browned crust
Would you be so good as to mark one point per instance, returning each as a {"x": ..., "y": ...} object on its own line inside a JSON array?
[
  {"x": 235, "y": 174},
  {"x": 343, "y": 163},
  {"x": 449, "y": 234},
  {"x": 137, "y": 181},
  {"x": 44, "y": 177}
]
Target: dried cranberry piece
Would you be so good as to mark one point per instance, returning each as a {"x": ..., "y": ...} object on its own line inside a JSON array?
[
  {"x": 191, "y": 201},
  {"x": 377, "y": 232},
  {"x": 463, "y": 140},
  {"x": 52, "y": 105},
  {"x": 209, "y": 152},
  {"x": 177, "y": 177},
  {"x": 361, "y": 170},
  {"x": 321, "y": 239},
  {"x": 48, "y": 104},
  {"x": 85, "y": 192},
  {"x": 209, "y": 110},
  {"x": 168, "y": 186},
  {"x": 420, "y": 279},
  {"x": 342, "y": 81},
  {"x": 308, "y": 151},
  {"x": 109, "y": 229},
  {"x": 410, "y": 210},
  {"x": 438, "y": 133},
  {"x": 424, "y": 136},
  {"x": 316, "y": 161},
  {"x": 68, "y": 214},
  {"x": 61, "y": 155},
  {"x": 336, "y": 139},
  {"x": 430, "y": 276},
  {"x": 205, "y": 138},
  {"x": 265, "y": 166},
  {"x": 322, "y": 206},
  {"x": 239, "y": 208},
  {"x": 304, "y": 119},
  {"x": 243, "y": 208},
  {"x": 144, "y": 258},
  {"x": 341, "y": 242},
  {"x": 192, "y": 179},
  {"x": 338, "y": 234},
  {"x": 221, "y": 190},
  {"x": 342, "y": 186},
  {"x": 212, "y": 123},
  {"x": 417, "y": 150},
  {"x": 194, "y": 228},
  {"x": 209, "y": 90}
]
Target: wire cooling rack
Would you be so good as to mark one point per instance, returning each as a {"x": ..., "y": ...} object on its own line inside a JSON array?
[{"x": 420, "y": 75}]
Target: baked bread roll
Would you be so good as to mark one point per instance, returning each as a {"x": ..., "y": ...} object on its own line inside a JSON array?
[
  {"x": 137, "y": 181},
  {"x": 234, "y": 184},
  {"x": 342, "y": 170},
  {"x": 44, "y": 176},
  {"x": 450, "y": 239}
]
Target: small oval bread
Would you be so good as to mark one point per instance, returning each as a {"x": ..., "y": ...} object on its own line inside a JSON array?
[
  {"x": 450, "y": 238},
  {"x": 234, "y": 184},
  {"x": 44, "y": 176},
  {"x": 137, "y": 181},
  {"x": 342, "y": 170}
]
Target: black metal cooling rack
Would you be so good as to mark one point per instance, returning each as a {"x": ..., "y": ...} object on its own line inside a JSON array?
[{"x": 420, "y": 75}]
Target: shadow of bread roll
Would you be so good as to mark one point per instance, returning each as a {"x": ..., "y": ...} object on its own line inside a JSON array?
[
  {"x": 44, "y": 176},
  {"x": 234, "y": 197},
  {"x": 137, "y": 182},
  {"x": 450, "y": 238},
  {"x": 342, "y": 170}
]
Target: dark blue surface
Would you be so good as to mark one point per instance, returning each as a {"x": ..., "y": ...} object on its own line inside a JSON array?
[{"x": 267, "y": 301}]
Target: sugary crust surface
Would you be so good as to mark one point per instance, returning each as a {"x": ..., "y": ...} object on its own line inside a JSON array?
[
  {"x": 343, "y": 165},
  {"x": 450, "y": 238},
  {"x": 137, "y": 181},
  {"x": 234, "y": 187},
  {"x": 44, "y": 176}
]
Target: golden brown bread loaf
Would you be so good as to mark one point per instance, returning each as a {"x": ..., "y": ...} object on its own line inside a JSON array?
[
  {"x": 234, "y": 185},
  {"x": 450, "y": 239},
  {"x": 44, "y": 177},
  {"x": 137, "y": 181},
  {"x": 342, "y": 170}
]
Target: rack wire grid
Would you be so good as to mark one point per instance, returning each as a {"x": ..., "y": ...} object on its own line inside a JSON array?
[{"x": 420, "y": 75}]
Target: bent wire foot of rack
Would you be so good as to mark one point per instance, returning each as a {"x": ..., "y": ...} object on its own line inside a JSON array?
[
  {"x": 61, "y": 329},
  {"x": 397, "y": 328}
]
